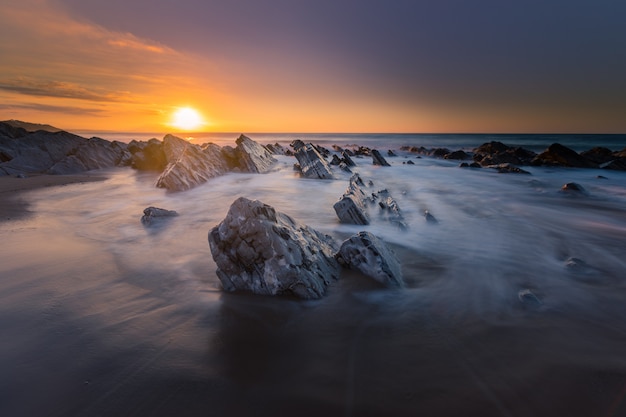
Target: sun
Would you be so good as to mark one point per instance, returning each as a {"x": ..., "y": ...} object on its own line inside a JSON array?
[{"x": 186, "y": 118}]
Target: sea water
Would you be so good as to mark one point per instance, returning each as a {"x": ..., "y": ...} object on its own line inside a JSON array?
[{"x": 107, "y": 315}]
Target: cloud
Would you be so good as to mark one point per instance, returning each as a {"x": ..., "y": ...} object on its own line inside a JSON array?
[
  {"x": 47, "y": 108},
  {"x": 59, "y": 89}
]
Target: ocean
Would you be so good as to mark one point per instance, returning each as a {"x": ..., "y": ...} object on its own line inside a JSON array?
[
  {"x": 452, "y": 141},
  {"x": 103, "y": 316}
]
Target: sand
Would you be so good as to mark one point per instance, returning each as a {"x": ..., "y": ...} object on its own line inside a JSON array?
[{"x": 12, "y": 206}]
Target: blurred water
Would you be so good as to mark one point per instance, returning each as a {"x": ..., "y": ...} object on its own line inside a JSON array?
[{"x": 458, "y": 340}]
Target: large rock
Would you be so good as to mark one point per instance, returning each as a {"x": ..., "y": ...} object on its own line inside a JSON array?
[
  {"x": 95, "y": 153},
  {"x": 261, "y": 250},
  {"x": 352, "y": 207},
  {"x": 312, "y": 164},
  {"x": 253, "y": 157},
  {"x": 148, "y": 155},
  {"x": 189, "y": 165},
  {"x": 559, "y": 155},
  {"x": 370, "y": 255},
  {"x": 496, "y": 153}
]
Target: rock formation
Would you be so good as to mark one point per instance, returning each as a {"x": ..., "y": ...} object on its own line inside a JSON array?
[
  {"x": 188, "y": 164},
  {"x": 390, "y": 210},
  {"x": 154, "y": 214},
  {"x": 261, "y": 250},
  {"x": 352, "y": 207},
  {"x": 311, "y": 163},
  {"x": 147, "y": 155},
  {"x": 378, "y": 159},
  {"x": 559, "y": 155},
  {"x": 370, "y": 255},
  {"x": 253, "y": 157}
]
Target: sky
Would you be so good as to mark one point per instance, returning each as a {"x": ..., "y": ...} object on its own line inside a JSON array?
[{"x": 436, "y": 66}]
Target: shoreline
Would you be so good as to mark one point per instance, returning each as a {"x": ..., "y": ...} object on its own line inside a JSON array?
[{"x": 13, "y": 207}]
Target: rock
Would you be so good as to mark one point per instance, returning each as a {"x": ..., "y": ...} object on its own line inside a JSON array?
[
  {"x": 559, "y": 155},
  {"x": 495, "y": 153},
  {"x": 296, "y": 145},
  {"x": 457, "y": 155},
  {"x": 94, "y": 153},
  {"x": 390, "y": 210},
  {"x": 370, "y": 255},
  {"x": 253, "y": 157},
  {"x": 189, "y": 165},
  {"x": 616, "y": 164},
  {"x": 529, "y": 299},
  {"x": 409, "y": 162},
  {"x": 377, "y": 159},
  {"x": 352, "y": 207},
  {"x": 276, "y": 149},
  {"x": 391, "y": 153},
  {"x": 507, "y": 168},
  {"x": 573, "y": 188},
  {"x": 344, "y": 167},
  {"x": 312, "y": 164},
  {"x": 148, "y": 156},
  {"x": 335, "y": 161},
  {"x": 598, "y": 155},
  {"x": 261, "y": 250},
  {"x": 153, "y": 214},
  {"x": 430, "y": 218},
  {"x": 440, "y": 152},
  {"x": 346, "y": 158}
]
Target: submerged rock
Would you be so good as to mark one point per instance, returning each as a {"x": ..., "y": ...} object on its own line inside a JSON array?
[
  {"x": 189, "y": 165},
  {"x": 261, "y": 250},
  {"x": 378, "y": 159},
  {"x": 352, "y": 208},
  {"x": 390, "y": 210},
  {"x": 152, "y": 214},
  {"x": 573, "y": 188},
  {"x": 312, "y": 164},
  {"x": 507, "y": 168},
  {"x": 370, "y": 255},
  {"x": 430, "y": 218},
  {"x": 528, "y": 298}
]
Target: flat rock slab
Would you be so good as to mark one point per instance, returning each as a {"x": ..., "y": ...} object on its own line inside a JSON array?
[
  {"x": 261, "y": 250},
  {"x": 370, "y": 255}
]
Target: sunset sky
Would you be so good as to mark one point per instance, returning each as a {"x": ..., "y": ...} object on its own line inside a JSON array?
[{"x": 316, "y": 66}]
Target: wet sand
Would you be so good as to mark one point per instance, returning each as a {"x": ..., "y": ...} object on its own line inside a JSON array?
[
  {"x": 133, "y": 323},
  {"x": 12, "y": 206}
]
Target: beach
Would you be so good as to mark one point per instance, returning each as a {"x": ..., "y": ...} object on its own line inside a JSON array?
[{"x": 103, "y": 316}]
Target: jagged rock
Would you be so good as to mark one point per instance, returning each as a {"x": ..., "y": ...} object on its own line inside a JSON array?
[
  {"x": 344, "y": 167},
  {"x": 297, "y": 144},
  {"x": 335, "y": 161},
  {"x": 261, "y": 250},
  {"x": 312, "y": 164},
  {"x": 559, "y": 155},
  {"x": 430, "y": 218},
  {"x": 573, "y": 188},
  {"x": 370, "y": 255},
  {"x": 346, "y": 158},
  {"x": 153, "y": 214},
  {"x": 440, "y": 152},
  {"x": 352, "y": 207},
  {"x": 507, "y": 168},
  {"x": 409, "y": 162},
  {"x": 276, "y": 149},
  {"x": 148, "y": 156},
  {"x": 391, "y": 153},
  {"x": 390, "y": 210},
  {"x": 378, "y": 159},
  {"x": 95, "y": 153},
  {"x": 598, "y": 155},
  {"x": 188, "y": 164},
  {"x": 253, "y": 157},
  {"x": 616, "y": 164}
]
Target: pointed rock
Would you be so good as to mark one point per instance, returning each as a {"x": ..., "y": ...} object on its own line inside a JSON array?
[
  {"x": 351, "y": 208},
  {"x": 312, "y": 164},
  {"x": 252, "y": 156},
  {"x": 189, "y": 165},
  {"x": 378, "y": 159}
]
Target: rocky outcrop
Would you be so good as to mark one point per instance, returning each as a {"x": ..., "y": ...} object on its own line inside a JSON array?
[
  {"x": 311, "y": 163},
  {"x": 148, "y": 155},
  {"x": 371, "y": 256},
  {"x": 507, "y": 168},
  {"x": 559, "y": 155},
  {"x": 496, "y": 153},
  {"x": 42, "y": 152},
  {"x": 253, "y": 157},
  {"x": 457, "y": 155},
  {"x": 152, "y": 215},
  {"x": 378, "y": 159},
  {"x": 188, "y": 164},
  {"x": 261, "y": 250},
  {"x": 352, "y": 207}
]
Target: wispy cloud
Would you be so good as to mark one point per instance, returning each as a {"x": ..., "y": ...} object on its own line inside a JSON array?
[
  {"x": 47, "y": 108},
  {"x": 61, "y": 89}
]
